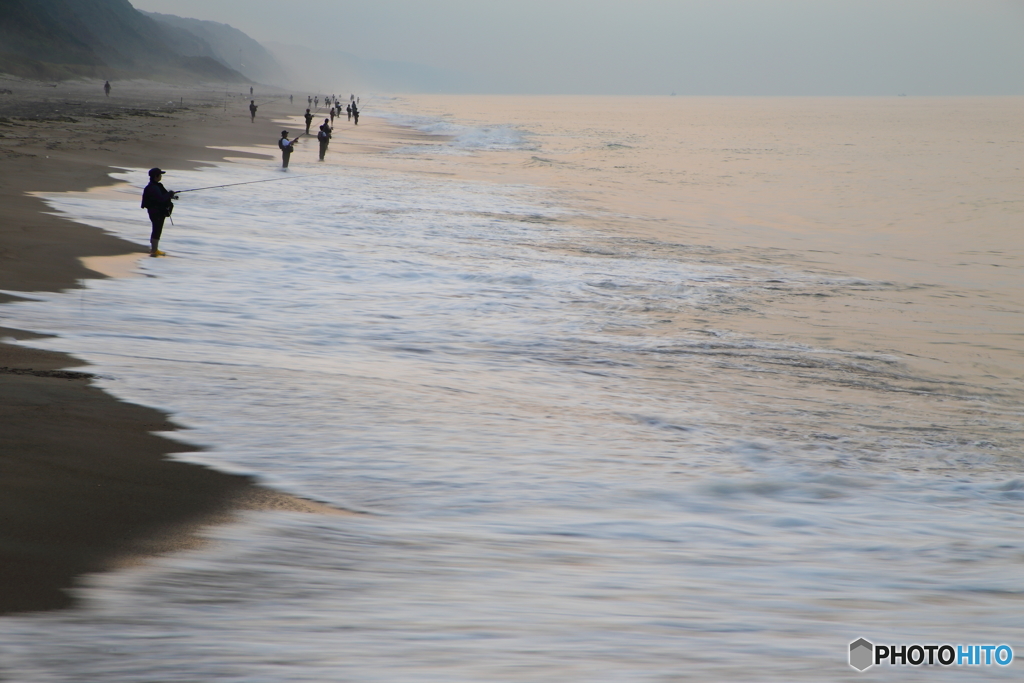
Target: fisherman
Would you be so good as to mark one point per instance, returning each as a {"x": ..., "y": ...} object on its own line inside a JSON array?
[
  {"x": 309, "y": 100},
  {"x": 250, "y": 90},
  {"x": 324, "y": 137},
  {"x": 355, "y": 113},
  {"x": 309, "y": 121},
  {"x": 106, "y": 88},
  {"x": 316, "y": 101},
  {"x": 291, "y": 99},
  {"x": 286, "y": 148},
  {"x": 332, "y": 116},
  {"x": 156, "y": 199},
  {"x": 348, "y": 110},
  {"x": 252, "y": 110}
]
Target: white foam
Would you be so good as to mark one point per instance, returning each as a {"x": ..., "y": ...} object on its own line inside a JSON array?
[
  {"x": 558, "y": 486},
  {"x": 458, "y": 137}
]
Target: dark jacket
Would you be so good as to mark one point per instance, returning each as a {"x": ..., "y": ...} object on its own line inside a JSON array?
[{"x": 157, "y": 199}]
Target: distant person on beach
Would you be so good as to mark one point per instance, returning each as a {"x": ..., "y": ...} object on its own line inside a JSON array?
[
  {"x": 252, "y": 110},
  {"x": 309, "y": 121},
  {"x": 355, "y": 114},
  {"x": 332, "y": 116},
  {"x": 309, "y": 100},
  {"x": 156, "y": 199},
  {"x": 324, "y": 138},
  {"x": 316, "y": 101},
  {"x": 348, "y": 110},
  {"x": 291, "y": 99},
  {"x": 250, "y": 90},
  {"x": 286, "y": 148},
  {"x": 106, "y": 88}
]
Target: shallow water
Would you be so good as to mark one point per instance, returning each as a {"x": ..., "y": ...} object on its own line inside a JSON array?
[{"x": 580, "y": 458}]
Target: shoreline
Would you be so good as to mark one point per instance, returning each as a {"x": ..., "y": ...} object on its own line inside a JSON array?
[{"x": 85, "y": 484}]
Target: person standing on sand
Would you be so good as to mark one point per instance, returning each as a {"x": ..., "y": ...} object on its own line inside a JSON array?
[
  {"x": 291, "y": 99},
  {"x": 156, "y": 199},
  {"x": 324, "y": 137},
  {"x": 106, "y": 88},
  {"x": 252, "y": 110},
  {"x": 286, "y": 148},
  {"x": 250, "y": 91},
  {"x": 309, "y": 121},
  {"x": 355, "y": 114},
  {"x": 348, "y": 110},
  {"x": 332, "y": 116}
]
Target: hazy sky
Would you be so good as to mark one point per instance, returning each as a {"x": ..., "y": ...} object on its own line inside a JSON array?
[{"x": 691, "y": 47}]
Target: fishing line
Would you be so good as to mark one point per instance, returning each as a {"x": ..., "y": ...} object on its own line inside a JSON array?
[
  {"x": 250, "y": 182},
  {"x": 275, "y": 98}
]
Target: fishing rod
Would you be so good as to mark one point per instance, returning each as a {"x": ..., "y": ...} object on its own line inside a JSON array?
[
  {"x": 270, "y": 99},
  {"x": 251, "y": 182}
]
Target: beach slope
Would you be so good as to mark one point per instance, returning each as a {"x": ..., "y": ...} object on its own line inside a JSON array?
[{"x": 85, "y": 484}]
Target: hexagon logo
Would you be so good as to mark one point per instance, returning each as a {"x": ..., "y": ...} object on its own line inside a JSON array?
[{"x": 862, "y": 654}]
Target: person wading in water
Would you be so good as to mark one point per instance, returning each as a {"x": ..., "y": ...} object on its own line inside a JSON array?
[
  {"x": 324, "y": 136},
  {"x": 156, "y": 199},
  {"x": 286, "y": 148},
  {"x": 252, "y": 110}
]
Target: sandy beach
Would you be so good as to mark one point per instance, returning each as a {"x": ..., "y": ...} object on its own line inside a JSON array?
[
  {"x": 85, "y": 485},
  {"x": 610, "y": 381}
]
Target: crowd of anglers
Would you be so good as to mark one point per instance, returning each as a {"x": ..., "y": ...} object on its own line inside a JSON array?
[
  {"x": 323, "y": 135},
  {"x": 157, "y": 200}
]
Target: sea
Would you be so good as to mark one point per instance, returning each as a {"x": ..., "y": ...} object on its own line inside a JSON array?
[{"x": 617, "y": 389}]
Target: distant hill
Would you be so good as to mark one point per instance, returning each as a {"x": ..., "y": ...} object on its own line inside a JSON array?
[
  {"x": 313, "y": 68},
  {"x": 226, "y": 44},
  {"x": 100, "y": 38},
  {"x": 56, "y": 39}
]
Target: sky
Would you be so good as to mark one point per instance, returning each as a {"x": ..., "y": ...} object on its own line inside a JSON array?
[{"x": 657, "y": 47}]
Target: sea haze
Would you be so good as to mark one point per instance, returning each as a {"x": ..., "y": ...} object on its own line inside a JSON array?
[{"x": 588, "y": 442}]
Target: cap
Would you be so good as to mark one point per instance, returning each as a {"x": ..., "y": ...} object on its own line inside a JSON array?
[
  {"x": 155, "y": 171},
  {"x": 284, "y": 133}
]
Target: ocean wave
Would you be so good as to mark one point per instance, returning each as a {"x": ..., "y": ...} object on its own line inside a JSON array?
[{"x": 461, "y": 137}]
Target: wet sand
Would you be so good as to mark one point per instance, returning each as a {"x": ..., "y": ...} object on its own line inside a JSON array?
[{"x": 85, "y": 484}]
